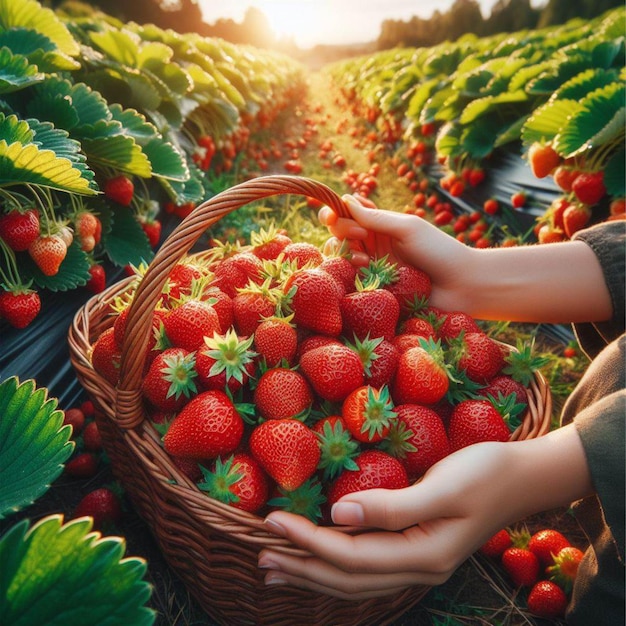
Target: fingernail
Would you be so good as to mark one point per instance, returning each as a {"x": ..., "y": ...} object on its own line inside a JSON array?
[
  {"x": 266, "y": 562},
  {"x": 270, "y": 579},
  {"x": 275, "y": 528},
  {"x": 347, "y": 513}
]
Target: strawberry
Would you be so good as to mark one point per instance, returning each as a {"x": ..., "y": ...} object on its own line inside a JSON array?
[
  {"x": 287, "y": 450},
  {"x": 48, "y": 253},
  {"x": 491, "y": 206},
  {"x": 368, "y": 413},
  {"x": 83, "y": 465},
  {"x": 370, "y": 311},
  {"x": 376, "y": 470},
  {"x": 103, "y": 505},
  {"x": 521, "y": 565},
  {"x": 310, "y": 342},
  {"x": 314, "y": 301},
  {"x": 379, "y": 358},
  {"x": 617, "y": 207},
  {"x": 495, "y": 546},
  {"x": 422, "y": 375},
  {"x": 223, "y": 305},
  {"x": 19, "y": 228},
  {"x": 418, "y": 438},
  {"x": 476, "y": 176},
  {"x": 406, "y": 341},
  {"x": 225, "y": 361},
  {"x": 479, "y": 356},
  {"x": 506, "y": 385},
  {"x": 546, "y": 544},
  {"x": 181, "y": 280},
  {"x": 97, "y": 280},
  {"x": 564, "y": 177},
  {"x": 86, "y": 226},
  {"x": 234, "y": 272},
  {"x": 473, "y": 421},
  {"x": 239, "y": 481},
  {"x": 187, "y": 325},
  {"x": 518, "y": 199},
  {"x": 340, "y": 268},
  {"x": 120, "y": 189},
  {"x": 303, "y": 253},
  {"x": 106, "y": 356},
  {"x": 152, "y": 228},
  {"x": 333, "y": 370},
  {"x": 575, "y": 218},
  {"x": 456, "y": 322},
  {"x": 338, "y": 448},
  {"x": 253, "y": 303},
  {"x": 87, "y": 408},
  {"x": 75, "y": 418},
  {"x": 409, "y": 285},
  {"x": 189, "y": 467},
  {"x": 418, "y": 326},
  {"x": 589, "y": 187},
  {"x": 268, "y": 244},
  {"x": 547, "y": 599},
  {"x": 169, "y": 381},
  {"x": 565, "y": 567},
  {"x": 543, "y": 159},
  {"x": 208, "y": 426},
  {"x": 282, "y": 393},
  {"x": 19, "y": 306},
  {"x": 276, "y": 340},
  {"x": 92, "y": 440},
  {"x": 305, "y": 500}
]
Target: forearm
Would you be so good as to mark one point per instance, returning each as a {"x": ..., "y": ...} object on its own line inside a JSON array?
[{"x": 551, "y": 283}]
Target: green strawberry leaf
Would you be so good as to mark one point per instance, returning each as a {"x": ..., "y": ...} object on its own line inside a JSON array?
[
  {"x": 12, "y": 129},
  {"x": 190, "y": 190},
  {"x": 614, "y": 174},
  {"x": 38, "y": 48},
  {"x": 545, "y": 123},
  {"x": 73, "y": 271},
  {"x": 126, "y": 242},
  {"x": 34, "y": 444},
  {"x": 119, "y": 152},
  {"x": 16, "y": 72},
  {"x": 58, "y": 574},
  {"x": 166, "y": 160}
]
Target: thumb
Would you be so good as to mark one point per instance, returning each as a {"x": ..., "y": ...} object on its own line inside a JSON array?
[
  {"x": 391, "y": 509},
  {"x": 389, "y": 223}
]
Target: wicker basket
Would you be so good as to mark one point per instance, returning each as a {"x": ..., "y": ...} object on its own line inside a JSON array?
[{"x": 211, "y": 546}]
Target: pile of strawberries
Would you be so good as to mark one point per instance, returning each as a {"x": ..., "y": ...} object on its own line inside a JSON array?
[
  {"x": 545, "y": 563},
  {"x": 282, "y": 377}
]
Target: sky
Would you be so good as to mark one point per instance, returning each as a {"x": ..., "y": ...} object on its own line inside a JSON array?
[{"x": 312, "y": 22}]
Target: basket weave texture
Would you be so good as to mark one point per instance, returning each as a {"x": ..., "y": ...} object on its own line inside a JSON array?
[{"x": 211, "y": 546}]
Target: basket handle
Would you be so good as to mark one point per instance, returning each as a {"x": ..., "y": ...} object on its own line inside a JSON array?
[{"x": 129, "y": 405}]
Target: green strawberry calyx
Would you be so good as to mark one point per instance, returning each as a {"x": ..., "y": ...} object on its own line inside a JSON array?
[{"x": 338, "y": 450}]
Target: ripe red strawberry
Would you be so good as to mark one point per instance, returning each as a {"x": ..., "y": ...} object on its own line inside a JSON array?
[
  {"x": 208, "y": 426},
  {"x": 409, "y": 285},
  {"x": 187, "y": 325},
  {"x": 103, "y": 505},
  {"x": 491, "y": 206},
  {"x": 421, "y": 376},
  {"x": 368, "y": 413},
  {"x": 311, "y": 342},
  {"x": 225, "y": 361},
  {"x": 473, "y": 421},
  {"x": 120, "y": 189},
  {"x": 234, "y": 272},
  {"x": 564, "y": 177},
  {"x": 268, "y": 244},
  {"x": 252, "y": 304},
  {"x": 48, "y": 253},
  {"x": 75, "y": 418},
  {"x": 379, "y": 358},
  {"x": 97, "y": 280},
  {"x": 476, "y": 176},
  {"x": 495, "y": 546},
  {"x": 565, "y": 567},
  {"x": 340, "y": 268},
  {"x": 314, "y": 301},
  {"x": 589, "y": 187},
  {"x": 303, "y": 253},
  {"x": 547, "y": 599},
  {"x": 521, "y": 565},
  {"x": 282, "y": 393},
  {"x": 406, "y": 341},
  {"x": 333, "y": 370},
  {"x": 92, "y": 440},
  {"x": 19, "y": 228},
  {"x": 276, "y": 340},
  {"x": 518, "y": 199},
  {"x": 418, "y": 439},
  {"x": 575, "y": 218},
  {"x": 376, "y": 470},
  {"x": 456, "y": 322},
  {"x": 83, "y": 465},
  {"x": 506, "y": 385},
  {"x": 152, "y": 228},
  {"x": 19, "y": 306},
  {"x": 106, "y": 356},
  {"x": 181, "y": 279},
  {"x": 370, "y": 312},
  {"x": 287, "y": 450},
  {"x": 543, "y": 159},
  {"x": 479, "y": 356},
  {"x": 239, "y": 481},
  {"x": 547, "y": 543},
  {"x": 418, "y": 326},
  {"x": 170, "y": 379}
]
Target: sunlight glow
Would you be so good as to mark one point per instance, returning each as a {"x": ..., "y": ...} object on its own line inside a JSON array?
[{"x": 302, "y": 20}]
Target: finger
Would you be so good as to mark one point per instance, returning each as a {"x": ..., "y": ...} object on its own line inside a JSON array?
[
  {"x": 389, "y": 223},
  {"x": 311, "y": 571},
  {"x": 326, "y": 216}
]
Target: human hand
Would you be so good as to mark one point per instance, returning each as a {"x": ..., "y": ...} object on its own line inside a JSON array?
[
  {"x": 405, "y": 239},
  {"x": 431, "y": 527}
]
